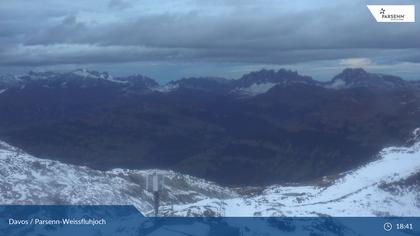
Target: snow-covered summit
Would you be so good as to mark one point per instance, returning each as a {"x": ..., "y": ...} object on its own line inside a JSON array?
[
  {"x": 45, "y": 76},
  {"x": 80, "y": 78},
  {"x": 260, "y": 82},
  {"x": 91, "y": 74},
  {"x": 358, "y": 77}
]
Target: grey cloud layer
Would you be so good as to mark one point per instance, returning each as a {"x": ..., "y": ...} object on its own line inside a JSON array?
[{"x": 225, "y": 31}]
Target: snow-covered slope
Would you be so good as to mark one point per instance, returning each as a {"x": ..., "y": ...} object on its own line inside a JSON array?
[
  {"x": 25, "y": 179},
  {"x": 167, "y": 88},
  {"x": 260, "y": 82},
  {"x": 375, "y": 189},
  {"x": 386, "y": 186},
  {"x": 254, "y": 89}
]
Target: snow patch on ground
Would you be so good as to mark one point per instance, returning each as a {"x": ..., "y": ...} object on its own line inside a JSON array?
[
  {"x": 336, "y": 84},
  {"x": 255, "y": 89},
  {"x": 167, "y": 88},
  {"x": 94, "y": 75}
]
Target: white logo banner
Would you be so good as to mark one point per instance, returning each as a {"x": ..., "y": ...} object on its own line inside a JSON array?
[{"x": 393, "y": 13}]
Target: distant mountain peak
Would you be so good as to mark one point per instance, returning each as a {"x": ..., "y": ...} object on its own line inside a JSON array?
[
  {"x": 358, "y": 77},
  {"x": 91, "y": 74},
  {"x": 261, "y": 81},
  {"x": 265, "y": 75},
  {"x": 354, "y": 72}
]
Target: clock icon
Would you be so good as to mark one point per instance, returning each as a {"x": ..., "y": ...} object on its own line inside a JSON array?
[{"x": 387, "y": 226}]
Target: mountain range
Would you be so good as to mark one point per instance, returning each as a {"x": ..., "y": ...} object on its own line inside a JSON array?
[{"x": 267, "y": 127}]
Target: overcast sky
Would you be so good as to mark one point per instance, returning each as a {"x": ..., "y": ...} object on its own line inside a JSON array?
[{"x": 169, "y": 39}]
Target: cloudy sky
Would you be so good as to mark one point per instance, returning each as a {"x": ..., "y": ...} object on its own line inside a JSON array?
[{"x": 169, "y": 39}]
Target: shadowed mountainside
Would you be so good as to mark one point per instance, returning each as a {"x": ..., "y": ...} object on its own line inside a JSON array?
[{"x": 267, "y": 127}]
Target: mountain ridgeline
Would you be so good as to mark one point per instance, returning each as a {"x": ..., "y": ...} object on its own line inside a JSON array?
[{"x": 267, "y": 127}]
